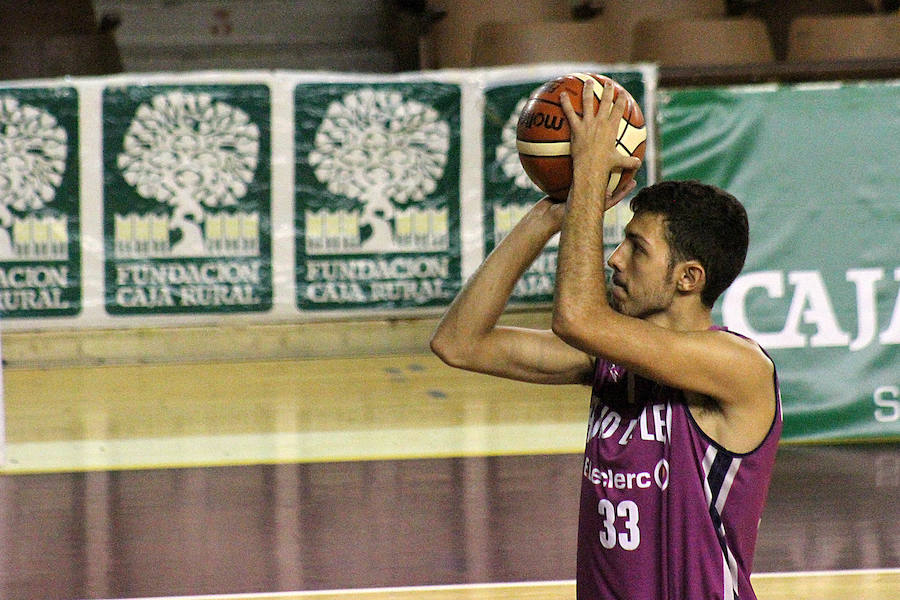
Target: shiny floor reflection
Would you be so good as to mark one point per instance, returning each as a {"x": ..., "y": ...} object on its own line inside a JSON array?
[{"x": 218, "y": 530}]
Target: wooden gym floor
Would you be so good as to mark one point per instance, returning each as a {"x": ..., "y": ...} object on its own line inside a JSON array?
[{"x": 384, "y": 478}]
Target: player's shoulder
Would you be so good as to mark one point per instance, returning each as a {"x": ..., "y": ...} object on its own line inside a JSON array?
[
  {"x": 742, "y": 342},
  {"x": 745, "y": 355}
]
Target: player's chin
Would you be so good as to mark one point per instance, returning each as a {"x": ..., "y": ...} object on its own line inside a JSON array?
[{"x": 616, "y": 298}]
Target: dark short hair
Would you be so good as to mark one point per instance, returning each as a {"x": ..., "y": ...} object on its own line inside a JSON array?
[{"x": 703, "y": 223}]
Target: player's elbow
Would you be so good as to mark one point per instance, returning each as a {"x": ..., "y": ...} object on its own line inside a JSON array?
[
  {"x": 568, "y": 326},
  {"x": 448, "y": 349},
  {"x": 440, "y": 347}
]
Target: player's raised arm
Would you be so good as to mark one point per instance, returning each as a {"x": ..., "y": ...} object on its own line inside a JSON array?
[
  {"x": 659, "y": 323},
  {"x": 468, "y": 335}
]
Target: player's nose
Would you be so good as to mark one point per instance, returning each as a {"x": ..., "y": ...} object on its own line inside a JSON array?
[{"x": 614, "y": 260}]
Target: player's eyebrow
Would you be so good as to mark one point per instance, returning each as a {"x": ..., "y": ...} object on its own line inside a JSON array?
[{"x": 634, "y": 236}]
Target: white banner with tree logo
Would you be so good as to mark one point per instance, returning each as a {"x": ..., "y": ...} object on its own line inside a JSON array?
[{"x": 186, "y": 199}]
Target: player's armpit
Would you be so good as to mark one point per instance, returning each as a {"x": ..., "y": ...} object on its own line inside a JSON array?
[{"x": 740, "y": 417}]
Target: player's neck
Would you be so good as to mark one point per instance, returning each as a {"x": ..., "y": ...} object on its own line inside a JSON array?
[{"x": 684, "y": 314}]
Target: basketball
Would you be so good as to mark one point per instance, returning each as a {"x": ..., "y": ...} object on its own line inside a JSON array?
[{"x": 542, "y": 134}]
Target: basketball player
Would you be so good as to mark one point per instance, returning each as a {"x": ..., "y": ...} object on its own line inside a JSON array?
[{"x": 685, "y": 416}]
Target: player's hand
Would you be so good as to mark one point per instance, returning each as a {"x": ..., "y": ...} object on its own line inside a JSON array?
[
  {"x": 613, "y": 199},
  {"x": 551, "y": 212},
  {"x": 593, "y": 138}
]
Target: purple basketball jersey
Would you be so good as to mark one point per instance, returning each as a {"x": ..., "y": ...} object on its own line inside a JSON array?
[{"x": 666, "y": 513}]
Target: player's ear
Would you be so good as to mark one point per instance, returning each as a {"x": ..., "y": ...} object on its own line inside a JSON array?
[{"x": 691, "y": 276}]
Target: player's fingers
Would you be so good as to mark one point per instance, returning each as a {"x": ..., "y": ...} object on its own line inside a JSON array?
[
  {"x": 629, "y": 162},
  {"x": 613, "y": 199},
  {"x": 606, "y": 99},
  {"x": 587, "y": 97},
  {"x": 567, "y": 108},
  {"x": 618, "y": 107}
]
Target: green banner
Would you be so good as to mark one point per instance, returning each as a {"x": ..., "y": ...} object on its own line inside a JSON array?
[
  {"x": 816, "y": 167},
  {"x": 509, "y": 193},
  {"x": 40, "y": 245},
  {"x": 377, "y": 170},
  {"x": 187, "y": 199}
]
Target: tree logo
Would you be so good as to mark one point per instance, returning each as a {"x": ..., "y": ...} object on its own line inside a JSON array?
[
  {"x": 388, "y": 154},
  {"x": 194, "y": 156},
  {"x": 376, "y": 179},
  {"x": 33, "y": 153},
  {"x": 187, "y": 199}
]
